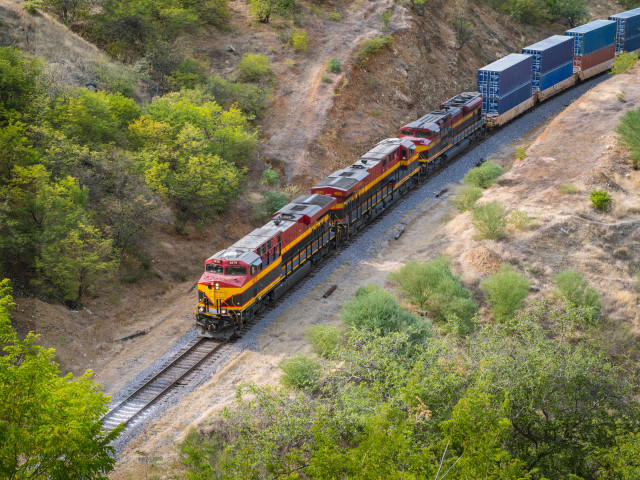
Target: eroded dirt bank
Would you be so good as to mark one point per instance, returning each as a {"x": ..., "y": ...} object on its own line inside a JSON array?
[{"x": 577, "y": 147}]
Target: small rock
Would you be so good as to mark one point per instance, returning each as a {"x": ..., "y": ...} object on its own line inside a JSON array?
[
  {"x": 534, "y": 288},
  {"x": 231, "y": 49}
]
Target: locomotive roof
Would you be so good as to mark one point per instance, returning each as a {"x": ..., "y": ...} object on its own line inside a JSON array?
[
  {"x": 451, "y": 107},
  {"x": 344, "y": 179},
  {"x": 291, "y": 213}
]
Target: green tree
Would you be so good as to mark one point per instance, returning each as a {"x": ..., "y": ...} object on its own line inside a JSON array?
[
  {"x": 629, "y": 133},
  {"x": 573, "y": 12},
  {"x": 483, "y": 176},
  {"x": 69, "y": 10},
  {"x": 19, "y": 85},
  {"x": 50, "y": 425},
  {"x": 262, "y": 9},
  {"x": 490, "y": 220}
]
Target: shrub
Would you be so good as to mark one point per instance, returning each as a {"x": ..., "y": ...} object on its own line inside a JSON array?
[
  {"x": 600, "y": 199},
  {"x": 299, "y": 371},
  {"x": 299, "y": 40},
  {"x": 334, "y": 66},
  {"x": 366, "y": 48},
  {"x": 483, "y": 176},
  {"x": 250, "y": 98},
  {"x": 270, "y": 204},
  {"x": 334, "y": 16},
  {"x": 32, "y": 6},
  {"x": 521, "y": 153},
  {"x": 325, "y": 339},
  {"x": 624, "y": 62},
  {"x": 121, "y": 78},
  {"x": 326, "y": 78},
  {"x": 629, "y": 134},
  {"x": 519, "y": 219},
  {"x": 253, "y": 67},
  {"x": 463, "y": 28},
  {"x": 505, "y": 292},
  {"x": 568, "y": 188},
  {"x": 386, "y": 18},
  {"x": 465, "y": 197},
  {"x": 373, "y": 308},
  {"x": 573, "y": 288},
  {"x": 433, "y": 287},
  {"x": 490, "y": 220},
  {"x": 270, "y": 177}
]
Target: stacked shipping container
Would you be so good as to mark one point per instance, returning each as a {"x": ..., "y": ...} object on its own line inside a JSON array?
[
  {"x": 627, "y": 30},
  {"x": 594, "y": 44},
  {"x": 552, "y": 61},
  {"x": 505, "y": 83}
]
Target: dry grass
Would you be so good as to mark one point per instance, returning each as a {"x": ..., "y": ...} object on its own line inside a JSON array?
[{"x": 40, "y": 35}]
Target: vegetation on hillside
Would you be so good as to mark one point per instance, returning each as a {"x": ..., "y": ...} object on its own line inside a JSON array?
[
  {"x": 83, "y": 174},
  {"x": 51, "y": 424}
]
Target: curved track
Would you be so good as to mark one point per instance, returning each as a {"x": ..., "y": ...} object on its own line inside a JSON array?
[{"x": 174, "y": 374}]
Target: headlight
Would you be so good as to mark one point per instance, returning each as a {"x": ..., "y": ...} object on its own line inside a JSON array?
[
  {"x": 224, "y": 311},
  {"x": 201, "y": 309},
  {"x": 216, "y": 286}
]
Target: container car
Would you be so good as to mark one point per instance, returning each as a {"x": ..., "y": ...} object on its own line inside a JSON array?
[
  {"x": 552, "y": 61},
  {"x": 627, "y": 30}
]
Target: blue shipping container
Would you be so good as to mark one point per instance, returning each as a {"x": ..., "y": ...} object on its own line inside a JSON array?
[
  {"x": 627, "y": 30},
  {"x": 500, "y": 105},
  {"x": 554, "y": 77},
  {"x": 592, "y": 37},
  {"x": 550, "y": 53},
  {"x": 504, "y": 75}
]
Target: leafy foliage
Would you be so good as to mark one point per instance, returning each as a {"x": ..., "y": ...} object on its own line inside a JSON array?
[
  {"x": 253, "y": 67},
  {"x": 367, "y": 48},
  {"x": 519, "y": 219},
  {"x": 270, "y": 177},
  {"x": 505, "y": 293},
  {"x": 299, "y": 371},
  {"x": 483, "y": 176},
  {"x": 568, "y": 188},
  {"x": 270, "y": 204},
  {"x": 299, "y": 40},
  {"x": 334, "y": 65},
  {"x": 325, "y": 339},
  {"x": 375, "y": 309},
  {"x": 465, "y": 197},
  {"x": 600, "y": 199},
  {"x": 572, "y": 286},
  {"x": 519, "y": 402},
  {"x": 433, "y": 287},
  {"x": 629, "y": 133},
  {"x": 490, "y": 220},
  {"x": 18, "y": 84},
  {"x": 624, "y": 62},
  {"x": 51, "y": 423}
]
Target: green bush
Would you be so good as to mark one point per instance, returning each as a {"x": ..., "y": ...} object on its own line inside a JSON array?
[
  {"x": 624, "y": 62},
  {"x": 521, "y": 153},
  {"x": 433, "y": 287},
  {"x": 572, "y": 286},
  {"x": 483, "y": 176},
  {"x": 366, "y": 48},
  {"x": 568, "y": 188},
  {"x": 32, "y": 6},
  {"x": 505, "y": 292},
  {"x": 334, "y": 16},
  {"x": 299, "y": 40},
  {"x": 600, "y": 199},
  {"x": 629, "y": 134},
  {"x": 121, "y": 78},
  {"x": 251, "y": 99},
  {"x": 465, "y": 197},
  {"x": 325, "y": 339},
  {"x": 326, "y": 78},
  {"x": 270, "y": 177},
  {"x": 490, "y": 220},
  {"x": 386, "y": 18},
  {"x": 334, "y": 66},
  {"x": 299, "y": 371},
  {"x": 375, "y": 309},
  {"x": 253, "y": 67},
  {"x": 520, "y": 220},
  {"x": 271, "y": 202}
]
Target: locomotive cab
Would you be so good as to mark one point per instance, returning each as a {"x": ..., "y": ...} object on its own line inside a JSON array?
[{"x": 220, "y": 291}]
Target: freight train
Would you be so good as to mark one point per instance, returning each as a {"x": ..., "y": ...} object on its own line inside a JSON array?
[{"x": 242, "y": 280}]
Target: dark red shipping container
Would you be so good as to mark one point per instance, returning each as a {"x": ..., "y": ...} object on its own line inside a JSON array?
[{"x": 596, "y": 58}]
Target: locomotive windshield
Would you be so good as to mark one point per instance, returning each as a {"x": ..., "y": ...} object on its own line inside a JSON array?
[
  {"x": 407, "y": 132},
  {"x": 211, "y": 268},
  {"x": 235, "y": 270},
  {"x": 424, "y": 134}
]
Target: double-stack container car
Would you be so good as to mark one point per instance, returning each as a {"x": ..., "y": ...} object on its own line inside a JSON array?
[
  {"x": 552, "y": 68},
  {"x": 627, "y": 30},
  {"x": 505, "y": 86},
  {"x": 594, "y": 47}
]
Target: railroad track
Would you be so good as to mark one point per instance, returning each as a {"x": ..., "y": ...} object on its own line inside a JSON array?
[{"x": 174, "y": 374}]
